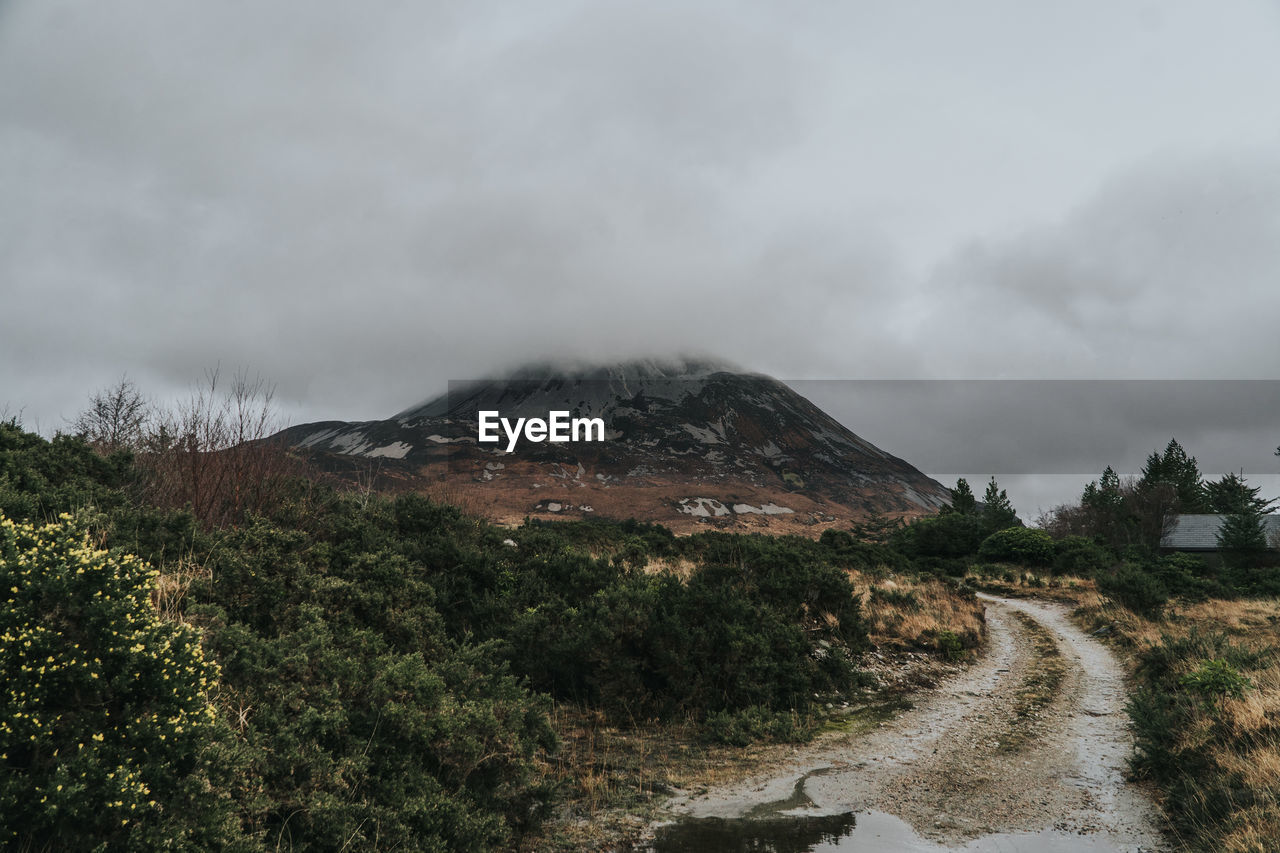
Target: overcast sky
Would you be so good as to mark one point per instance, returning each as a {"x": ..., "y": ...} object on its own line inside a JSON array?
[{"x": 363, "y": 201}]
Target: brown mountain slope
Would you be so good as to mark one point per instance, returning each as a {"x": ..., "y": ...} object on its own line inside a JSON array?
[{"x": 687, "y": 443}]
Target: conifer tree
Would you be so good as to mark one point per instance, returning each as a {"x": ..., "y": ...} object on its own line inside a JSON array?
[
  {"x": 1242, "y": 536},
  {"x": 962, "y": 499},
  {"x": 1179, "y": 473},
  {"x": 1104, "y": 495},
  {"x": 997, "y": 512},
  {"x": 1104, "y": 504},
  {"x": 1232, "y": 495},
  {"x": 1170, "y": 484}
]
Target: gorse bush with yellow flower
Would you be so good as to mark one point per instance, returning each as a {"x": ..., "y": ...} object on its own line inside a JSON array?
[{"x": 105, "y": 717}]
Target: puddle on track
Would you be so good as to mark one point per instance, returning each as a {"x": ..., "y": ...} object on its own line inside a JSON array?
[
  {"x": 868, "y": 832},
  {"x": 834, "y": 814}
]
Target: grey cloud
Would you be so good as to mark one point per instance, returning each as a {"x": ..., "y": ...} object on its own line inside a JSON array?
[
  {"x": 364, "y": 203},
  {"x": 1168, "y": 272}
]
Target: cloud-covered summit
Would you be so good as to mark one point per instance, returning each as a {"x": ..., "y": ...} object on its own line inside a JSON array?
[{"x": 363, "y": 204}]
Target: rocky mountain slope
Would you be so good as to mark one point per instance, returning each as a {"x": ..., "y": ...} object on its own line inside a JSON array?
[{"x": 686, "y": 443}]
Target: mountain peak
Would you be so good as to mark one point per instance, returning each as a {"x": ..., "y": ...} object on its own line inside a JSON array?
[
  {"x": 688, "y": 440},
  {"x": 625, "y": 374}
]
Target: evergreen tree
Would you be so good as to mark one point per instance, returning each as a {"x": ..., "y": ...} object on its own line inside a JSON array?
[
  {"x": 1180, "y": 474},
  {"x": 997, "y": 512},
  {"x": 1104, "y": 505},
  {"x": 1104, "y": 495},
  {"x": 962, "y": 499},
  {"x": 1242, "y": 536},
  {"x": 1170, "y": 484},
  {"x": 1232, "y": 495}
]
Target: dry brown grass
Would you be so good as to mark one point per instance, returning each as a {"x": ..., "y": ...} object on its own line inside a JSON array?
[
  {"x": 906, "y": 612},
  {"x": 681, "y": 567},
  {"x": 172, "y": 585},
  {"x": 1021, "y": 583},
  {"x": 1240, "y": 737},
  {"x": 1257, "y": 832},
  {"x": 1254, "y": 623}
]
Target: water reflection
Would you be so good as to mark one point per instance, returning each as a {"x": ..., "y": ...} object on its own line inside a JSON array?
[
  {"x": 868, "y": 832},
  {"x": 778, "y": 834}
]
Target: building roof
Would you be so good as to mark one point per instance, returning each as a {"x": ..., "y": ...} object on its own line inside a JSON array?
[{"x": 1199, "y": 532}]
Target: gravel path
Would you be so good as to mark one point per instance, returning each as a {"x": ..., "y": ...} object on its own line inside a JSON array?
[{"x": 963, "y": 764}]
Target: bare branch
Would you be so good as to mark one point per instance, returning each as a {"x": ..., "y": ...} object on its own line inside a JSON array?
[{"x": 117, "y": 418}]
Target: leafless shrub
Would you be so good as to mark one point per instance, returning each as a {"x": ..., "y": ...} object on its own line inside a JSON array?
[
  {"x": 118, "y": 418},
  {"x": 213, "y": 451},
  {"x": 1065, "y": 520}
]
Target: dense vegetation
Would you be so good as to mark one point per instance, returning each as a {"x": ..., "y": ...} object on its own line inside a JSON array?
[
  {"x": 352, "y": 672},
  {"x": 204, "y": 649}
]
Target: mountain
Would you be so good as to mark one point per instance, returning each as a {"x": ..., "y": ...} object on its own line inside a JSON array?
[{"x": 687, "y": 443}]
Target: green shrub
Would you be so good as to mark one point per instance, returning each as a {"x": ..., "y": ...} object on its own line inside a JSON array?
[
  {"x": 41, "y": 479},
  {"x": 842, "y": 549},
  {"x": 755, "y": 723},
  {"x": 1078, "y": 555},
  {"x": 765, "y": 627},
  {"x": 946, "y": 536},
  {"x": 1022, "y": 545},
  {"x": 1137, "y": 590},
  {"x": 1216, "y": 679},
  {"x": 1186, "y": 576},
  {"x": 106, "y": 727},
  {"x": 1162, "y": 663},
  {"x": 366, "y": 724},
  {"x": 950, "y": 646},
  {"x": 952, "y": 567},
  {"x": 1173, "y": 747}
]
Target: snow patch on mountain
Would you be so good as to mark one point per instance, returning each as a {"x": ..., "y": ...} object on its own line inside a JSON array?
[
  {"x": 317, "y": 437},
  {"x": 711, "y": 434},
  {"x": 395, "y": 450},
  {"x": 703, "y": 507},
  {"x": 351, "y": 443},
  {"x": 766, "y": 509}
]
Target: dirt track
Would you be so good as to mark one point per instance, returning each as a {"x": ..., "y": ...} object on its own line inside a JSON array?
[{"x": 1030, "y": 740}]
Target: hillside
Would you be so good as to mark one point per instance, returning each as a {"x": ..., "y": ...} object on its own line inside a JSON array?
[{"x": 687, "y": 443}]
